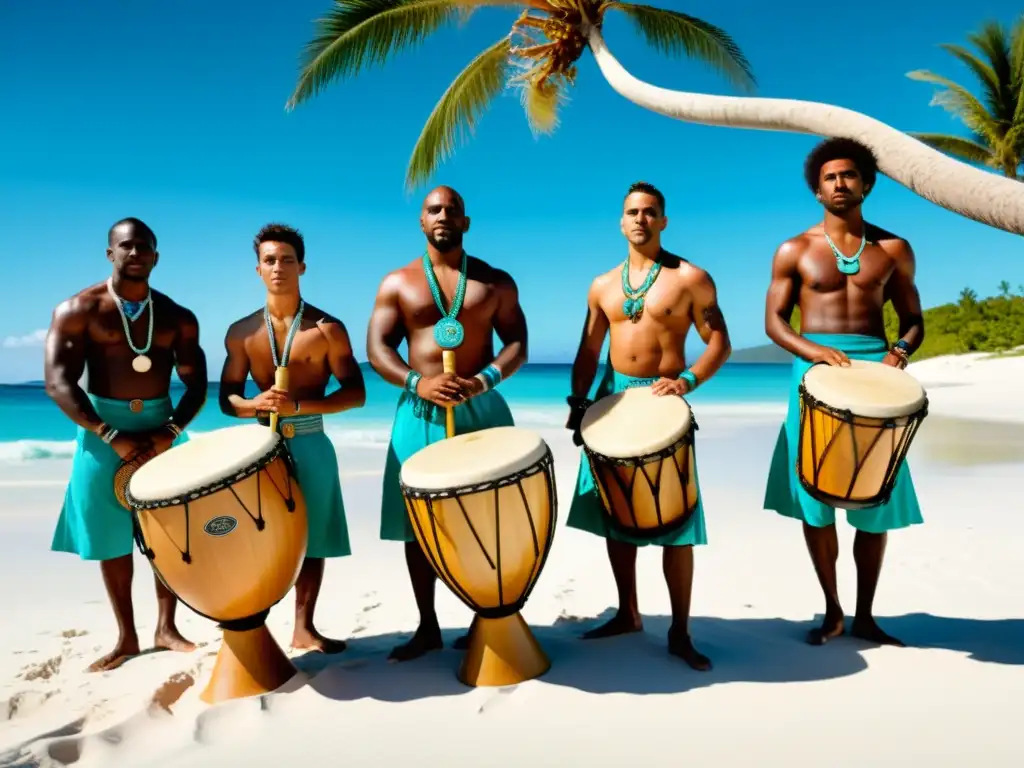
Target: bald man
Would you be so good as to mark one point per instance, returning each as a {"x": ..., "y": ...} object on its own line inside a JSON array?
[{"x": 406, "y": 310}]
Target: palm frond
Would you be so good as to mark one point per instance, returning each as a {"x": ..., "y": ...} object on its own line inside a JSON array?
[
  {"x": 957, "y": 146},
  {"x": 1017, "y": 65},
  {"x": 358, "y": 33},
  {"x": 995, "y": 97},
  {"x": 676, "y": 33},
  {"x": 960, "y": 102},
  {"x": 458, "y": 110}
]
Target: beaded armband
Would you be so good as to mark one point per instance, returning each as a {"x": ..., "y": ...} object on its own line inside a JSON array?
[
  {"x": 490, "y": 377},
  {"x": 411, "y": 380},
  {"x": 689, "y": 378}
]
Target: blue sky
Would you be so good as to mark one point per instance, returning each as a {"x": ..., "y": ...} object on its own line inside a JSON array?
[{"x": 174, "y": 112}]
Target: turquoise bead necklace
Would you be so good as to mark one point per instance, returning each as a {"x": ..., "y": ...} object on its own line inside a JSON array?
[
  {"x": 848, "y": 265},
  {"x": 296, "y": 322},
  {"x": 448, "y": 332},
  {"x": 633, "y": 306}
]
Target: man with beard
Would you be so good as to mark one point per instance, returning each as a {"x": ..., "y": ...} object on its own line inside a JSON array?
[
  {"x": 128, "y": 339},
  {"x": 841, "y": 299},
  {"x": 648, "y": 327},
  {"x": 409, "y": 308},
  {"x": 314, "y": 346}
]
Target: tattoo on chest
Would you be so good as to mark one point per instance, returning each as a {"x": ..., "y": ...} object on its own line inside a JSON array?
[{"x": 713, "y": 318}]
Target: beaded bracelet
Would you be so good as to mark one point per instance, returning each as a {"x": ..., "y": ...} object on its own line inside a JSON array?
[
  {"x": 689, "y": 378},
  {"x": 106, "y": 433},
  {"x": 490, "y": 377},
  {"x": 411, "y": 380},
  {"x": 174, "y": 428}
]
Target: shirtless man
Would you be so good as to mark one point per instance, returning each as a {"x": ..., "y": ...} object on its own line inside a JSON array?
[
  {"x": 647, "y": 349},
  {"x": 405, "y": 310},
  {"x": 319, "y": 349},
  {"x": 841, "y": 299},
  {"x": 127, "y": 339}
]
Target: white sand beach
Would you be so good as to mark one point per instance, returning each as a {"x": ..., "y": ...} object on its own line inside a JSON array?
[{"x": 952, "y": 589}]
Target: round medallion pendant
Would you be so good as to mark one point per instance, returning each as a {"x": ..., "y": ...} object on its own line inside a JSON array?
[
  {"x": 141, "y": 364},
  {"x": 448, "y": 333}
]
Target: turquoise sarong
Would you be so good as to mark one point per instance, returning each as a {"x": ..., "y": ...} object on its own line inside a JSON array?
[
  {"x": 92, "y": 523},
  {"x": 784, "y": 493},
  {"x": 316, "y": 469},
  {"x": 419, "y": 423},
  {"x": 587, "y": 513}
]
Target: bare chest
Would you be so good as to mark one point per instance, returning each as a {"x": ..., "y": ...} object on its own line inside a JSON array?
[
  {"x": 666, "y": 304},
  {"x": 820, "y": 273},
  {"x": 109, "y": 330},
  {"x": 308, "y": 348},
  {"x": 420, "y": 309}
]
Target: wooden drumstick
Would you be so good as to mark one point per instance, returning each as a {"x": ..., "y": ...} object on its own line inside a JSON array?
[
  {"x": 448, "y": 362},
  {"x": 280, "y": 382}
]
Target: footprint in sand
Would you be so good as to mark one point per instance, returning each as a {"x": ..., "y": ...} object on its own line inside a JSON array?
[
  {"x": 43, "y": 670},
  {"x": 69, "y": 633}
]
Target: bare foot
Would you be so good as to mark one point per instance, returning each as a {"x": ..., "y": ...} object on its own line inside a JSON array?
[
  {"x": 461, "y": 643},
  {"x": 620, "y": 624},
  {"x": 425, "y": 640},
  {"x": 308, "y": 639},
  {"x": 867, "y": 629},
  {"x": 680, "y": 644},
  {"x": 170, "y": 639},
  {"x": 123, "y": 651},
  {"x": 831, "y": 626}
]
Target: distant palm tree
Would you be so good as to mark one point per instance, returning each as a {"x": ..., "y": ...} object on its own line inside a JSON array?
[
  {"x": 968, "y": 298},
  {"x": 996, "y": 119},
  {"x": 554, "y": 33},
  {"x": 1004, "y": 288},
  {"x": 538, "y": 55}
]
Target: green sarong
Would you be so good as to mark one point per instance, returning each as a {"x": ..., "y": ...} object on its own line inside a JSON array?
[
  {"x": 316, "y": 469},
  {"x": 92, "y": 523},
  {"x": 587, "y": 513},
  {"x": 419, "y": 423},
  {"x": 784, "y": 493}
]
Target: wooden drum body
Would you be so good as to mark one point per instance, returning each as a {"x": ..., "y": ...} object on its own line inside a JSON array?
[
  {"x": 856, "y": 426},
  {"x": 642, "y": 455},
  {"x": 483, "y": 508},
  {"x": 223, "y": 522}
]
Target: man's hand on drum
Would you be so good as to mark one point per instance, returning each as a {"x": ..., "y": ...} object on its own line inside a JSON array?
[
  {"x": 830, "y": 356},
  {"x": 129, "y": 444},
  {"x": 895, "y": 360},
  {"x": 444, "y": 389},
  {"x": 665, "y": 386}
]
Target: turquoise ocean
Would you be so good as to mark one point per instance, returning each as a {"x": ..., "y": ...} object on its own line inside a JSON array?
[{"x": 32, "y": 428}]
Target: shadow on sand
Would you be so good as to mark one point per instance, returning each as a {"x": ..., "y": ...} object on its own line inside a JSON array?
[{"x": 742, "y": 650}]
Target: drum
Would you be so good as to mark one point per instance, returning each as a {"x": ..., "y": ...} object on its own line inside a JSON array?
[
  {"x": 642, "y": 455},
  {"x": 856, "y": 426},
  {"x": 483, "y": 508},
  {"x": 223, "y": 522}
]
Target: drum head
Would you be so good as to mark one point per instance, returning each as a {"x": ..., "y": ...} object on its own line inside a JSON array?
[
  {"x": 634, "y": 423},
  {"x": 473, "y": 458},
  {"x": 866, "y": 388},
  {"x": 203, "y": 460}
]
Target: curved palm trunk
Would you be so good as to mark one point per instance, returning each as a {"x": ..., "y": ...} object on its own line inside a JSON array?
[{"x": 977, "y": 194}]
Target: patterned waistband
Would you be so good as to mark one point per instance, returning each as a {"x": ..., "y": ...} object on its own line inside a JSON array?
[{"x": 290, "y": 426}]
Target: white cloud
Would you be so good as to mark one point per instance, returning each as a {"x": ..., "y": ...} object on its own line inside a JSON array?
[{"x": 34, "y": 339}]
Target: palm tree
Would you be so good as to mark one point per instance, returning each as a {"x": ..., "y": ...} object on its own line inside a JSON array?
[
  {"x": 537, "y": 56},
  {"x": 358, "y": 32},
  {"x": 1004, "y": 287},
  {"x": 996, "y": 120}
]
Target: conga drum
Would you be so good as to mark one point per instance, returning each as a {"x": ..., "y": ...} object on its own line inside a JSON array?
[
  {"x": 642, "y": 456},
  {"x": 223, "y": 522},
  {"x": 483, "y": 508},
  {"x": 856, "y": 426}
]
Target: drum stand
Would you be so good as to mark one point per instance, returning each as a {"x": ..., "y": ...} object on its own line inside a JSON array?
[
  {"x": 249, "y": 663},
  {"x": 502, "y": 651}
]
